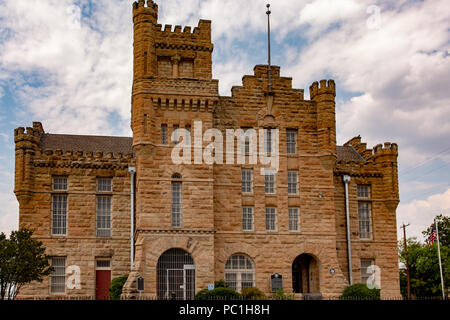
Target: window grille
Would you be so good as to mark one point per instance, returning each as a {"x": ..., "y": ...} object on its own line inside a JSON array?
[
  {"x": 103, "y": 216},
  {"x": 188, "y": 134},
  {"x": 60, "y": 183},
  {"x": 365, "y": 224},
  {"x": 176, "y": 204},
  {"x": 176, "y": 137},
  {"x": 363, "y": 191},
  {"x": 239, "y": 272},
  {"x": 291, "y": 141},
  {"x": 271, "y": 219},
  {"x": 103, "y": 264},
  {"x": 58, "y": 277},
  {"x": 365, "y": 264},
  {"x": 176, "y": 275},
  {"x": 269, "y": 183},
  {"x": 247, "y": 218},
  {"x": 59, "y": 214},
  {"x": 292, "y": 182},
  {"x": 267, "y": 141},
  {"x": 293, "y": 219},
  {"x": 164, "y": 134},
  {"x": 247, "y": 181},
  {"x": 104, "y": 185}
]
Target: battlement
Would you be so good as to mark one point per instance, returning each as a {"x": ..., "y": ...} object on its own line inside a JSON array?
[
  {"x": 262, "y": 71},
  {"x": 77, "y": 155},
  {"x": 146, "y": 7},
  {"x": 30, "y": 134},
  {"x": 389, "y": 149},
  {"x": 200, "y": 33},
  {"x": 325, "y": 87}
]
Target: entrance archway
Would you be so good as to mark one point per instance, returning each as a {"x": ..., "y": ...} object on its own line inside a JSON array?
[
  {"x": 305, "y": 274},
  {"x": 176, "y": 275}
]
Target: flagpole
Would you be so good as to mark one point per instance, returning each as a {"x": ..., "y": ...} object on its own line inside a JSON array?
[{"x": 440, "y": 263}]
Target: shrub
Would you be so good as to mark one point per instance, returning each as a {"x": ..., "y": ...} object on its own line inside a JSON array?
[
  {"x": 360, "y": 291},
  {"x": 217, "y": 294},
  {"x": 115, "y": 288},
  {"x": 220, "y": 284},
  {"x": 253, "y": 294},
  {"x": 279, "y": 295}
]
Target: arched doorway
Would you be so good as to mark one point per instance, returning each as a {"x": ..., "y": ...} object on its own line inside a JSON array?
[
  {"x": 305, "y": 274},
  {"x": 176, "y": 275}
]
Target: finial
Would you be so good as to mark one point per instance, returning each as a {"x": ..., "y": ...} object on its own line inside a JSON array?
[{"x": 268, "y": 12}]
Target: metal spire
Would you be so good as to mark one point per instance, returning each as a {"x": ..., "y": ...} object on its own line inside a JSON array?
[{"x": 268, "y": 28}]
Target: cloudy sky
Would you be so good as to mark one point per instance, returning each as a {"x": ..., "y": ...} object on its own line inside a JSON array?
[{"x": 68, "y": 64}]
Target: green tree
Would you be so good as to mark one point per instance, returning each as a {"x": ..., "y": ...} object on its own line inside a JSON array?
[
  {"x": 443, "y": 223},
  {"x": 22, "y": 260},
  {"x": 424, "y": 269},
  {"x": 116, "y": 286},
  {"x": 360, "y": 291}
]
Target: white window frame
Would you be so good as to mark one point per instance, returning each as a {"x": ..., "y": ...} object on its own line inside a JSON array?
[
  {"x": 238, "y": 267},
  {"x": 163, "y": 133},
  {"x": 269, "y": 183},
  {"x": 247, "y": 180},
  {"x": 291, "y": 146},
  {"x": 104, "y": 185},
  {"x": 177, "y": 207},
  {"x": 364, "y": 218},
  {"x": 292, "y": 182},
  {"x": 247, "y": 218},
  {"x": 60, "y": 184},
  {"x": 104, "y": 213},
  {"x": 294, "y": 219},
  {"x": 365, "y": 264},
  {"x": 176, "y": 136},
  {"x": 59, "y": 214},
  {"x": 271, "y": 219},
  {"x": 268, "y": 143},
  {"x": 364, "y": 191},
  {"x": 59, "y": 274}
]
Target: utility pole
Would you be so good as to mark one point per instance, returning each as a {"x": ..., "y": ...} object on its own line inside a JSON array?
[{"x": 406, "y": 258}]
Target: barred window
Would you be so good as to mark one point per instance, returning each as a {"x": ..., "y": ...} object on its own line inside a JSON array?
[
  {"x": 365, "y": 223},
  {"x": 291, "y": 141},
  {"x": 269, "y": 183},
  {"x": 292, "y": 182},
  {"x": 176, "y": 204},
  {"x": 103, "y": 265},
  {"x": 187, "y": 138},
  {"x": 247, "y": 181},
  {"x": 164, "y": 134},
  {"x": 60, "y": 183},
  {"x": 293, "y": 219},
  {"x": 363, "y": 191},
  {"x": 175, "y": 135},
  {"x": 247, "y": 218},
  {"x": 271, "y": 219},
  {"x": 365, "y": 264},
  {"x": 267, "y": 140},
  {"x": 59, "y": 214},
  {"x": 103, "y": 216},
  {"x": 104, "y": 185},
  {"x": 58, "y": 276},
  {"x": 239, "y": 272}
]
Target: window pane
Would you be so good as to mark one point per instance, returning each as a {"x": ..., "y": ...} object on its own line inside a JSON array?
[
  {"x": 175, "y": 130},
  {"x": 292, "y": 182},
  {"x": 60, "y": 183},
  {"x": 269, "y": 183},
  {"x": 247, "y": 181},
  {"x": 58, "y": 277},
  {"x": 104, "y": 185},
  {"x": 365, "y": 263},
  {"x": 293, "y": 219},
  {"x": 364, "y": 216},
  {"x": 363, "y": 191},
  {"x": 291, "y": 141},
  {"x": 59, "y": 214},
  {"x": 247, "y": 218},
  {"x": 270, "y": 219},
  {"x": 164, "y": 134},
  {"x": 176, "y": 204},
  {"x": 103, "y": 216}
]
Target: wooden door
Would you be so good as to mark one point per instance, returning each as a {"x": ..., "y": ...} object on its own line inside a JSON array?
[{"x": 103, "y": 280}]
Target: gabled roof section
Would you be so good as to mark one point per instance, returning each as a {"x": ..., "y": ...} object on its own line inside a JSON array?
[{"x": 348, "y": 154}]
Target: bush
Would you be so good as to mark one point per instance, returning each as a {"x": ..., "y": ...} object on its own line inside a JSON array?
[
  {"x": 218, "y": 294},
  {"x": 220, "y": 284},
  {"x": 279, "y": 295},
  {"x": 360, "y": 291},
  {"x": 115, "y": 288},
  {"x": 253, "y": 294}
]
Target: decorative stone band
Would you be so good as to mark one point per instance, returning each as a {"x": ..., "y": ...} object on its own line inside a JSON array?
[
  {"x": 176, "y": 231},
  {"x": 188, "y": 104},
  {"x": 359, "y": 174}
]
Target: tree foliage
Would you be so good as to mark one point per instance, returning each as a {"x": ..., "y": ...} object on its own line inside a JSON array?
[
  {"x": 219, "y": 293},
  {"x": 360, "y": 291},
  {"x": 22, "y": 260},
  {"x": 443, "y": 223},
  {"x": 116, "y": 286}
]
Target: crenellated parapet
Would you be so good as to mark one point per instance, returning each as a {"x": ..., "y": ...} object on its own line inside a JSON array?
[
  {"x": 325, "y": 87},
  {"x": 145, "y": 7},
  {"x": 386, "y": 152},
  {"x": 171, "y": 36}
]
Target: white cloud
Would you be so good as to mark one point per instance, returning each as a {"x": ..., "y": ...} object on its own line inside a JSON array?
[
  {"x": 420, "y": 213},
  {"x": 9, "y": 217}
]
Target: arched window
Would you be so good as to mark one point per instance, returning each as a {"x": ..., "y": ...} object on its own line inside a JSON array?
[
  {"x": 239, "y": 272},
  {"x": 176, "y": 200}
]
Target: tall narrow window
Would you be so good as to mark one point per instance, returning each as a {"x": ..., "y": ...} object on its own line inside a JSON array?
[
  {"x": 175, "y": 136},
  {"x": 103, "y": 216},
  {"x": 247, "y": 181},
  {"x": 291, "y": 141},
  {"x": 292, "y": 182},
  {"x": 364, "y": 212},
  {"x": 365, "y": 264},
  {"x": 293, "y": 219},
  {"x": 267, "y": 140},
  {"x": 59, "y": 214},
  {"x": 58, "y": 277},
  {"x": 269, "y": 183},
  {"x": 188, "y": 134},
  {"x": 164, "y": 134},
  {"x": 247, "y": 218},
  {"x": 176, "y": 202},
  {"x": 271, "y": 219}
]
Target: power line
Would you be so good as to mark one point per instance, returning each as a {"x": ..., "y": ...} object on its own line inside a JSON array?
[{"x": 425, "y": 161}]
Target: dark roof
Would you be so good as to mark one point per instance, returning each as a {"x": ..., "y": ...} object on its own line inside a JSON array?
[
  {"x": 66, "y": 142},
  {"x": 347, "y": 154}
]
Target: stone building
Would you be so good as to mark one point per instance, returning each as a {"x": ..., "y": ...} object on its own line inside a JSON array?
[{"x": 196, "y": 223}]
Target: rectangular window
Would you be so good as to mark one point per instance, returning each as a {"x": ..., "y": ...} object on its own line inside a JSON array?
[
  {"x": 58, "y": 277},
  {"x": 247, "y": 181},
  {"x": 188, "y": 134},
  {"x": 104, "y": 185},
  {"x": 103, "y": 216},
  {"x": 176, "y": 137},
  {"x": 293, "y": 219},
  {"x": 267, "y": 140},
  {"x": 164, "y": 134},
  {"x": 247, "y": 218},
  {"x": 247, "y": 280},
  {"x": 60, "y": 183},
  {"x": 365, "y": 264},
  {"x": 365, "y": 223},
  {"x": 291, "y": 141},
  {"x": 59, "y": 214},
  {"x": 363, "y": 191},
  {"x": 269, "y": 183},
  {"x": 247, "y": 135},
  {"x": 231, "y": 280},
  {"x": 176, "y": 204},
  {"x": 271, "y": 219},
  {"x": 292, "y": 182}
]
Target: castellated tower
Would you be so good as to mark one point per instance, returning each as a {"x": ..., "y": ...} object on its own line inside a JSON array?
[{"x": 172, "y": 88}]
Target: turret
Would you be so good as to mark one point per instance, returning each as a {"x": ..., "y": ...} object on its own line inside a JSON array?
[{"x": 324, "y": 97}]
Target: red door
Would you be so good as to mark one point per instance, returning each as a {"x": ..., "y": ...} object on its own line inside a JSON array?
[{"x": 103, "y": 280}]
